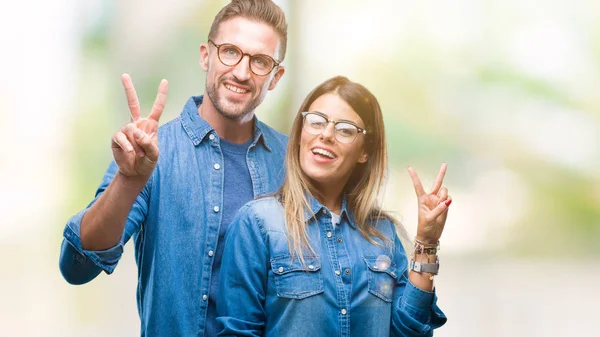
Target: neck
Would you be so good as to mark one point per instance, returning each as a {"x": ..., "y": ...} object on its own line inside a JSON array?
[
  {"x": 236, "y": 131},
  {"x": 330, "y": 197}
]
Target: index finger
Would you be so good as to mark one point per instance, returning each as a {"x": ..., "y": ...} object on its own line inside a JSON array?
[
  {"x": 159, "y": 102},
  {"x": 416, "y": 182},
  {"x": 132, "y": 99},
  {"x": 437, "y": 184}
]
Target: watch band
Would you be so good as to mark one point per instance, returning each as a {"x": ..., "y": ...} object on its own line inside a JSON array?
[{"x": 432, "y": 268}]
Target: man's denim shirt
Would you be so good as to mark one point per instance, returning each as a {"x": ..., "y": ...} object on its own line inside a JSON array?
[
  {"x": 175, "y": 222},
  {"x": 348, "y": 287}
]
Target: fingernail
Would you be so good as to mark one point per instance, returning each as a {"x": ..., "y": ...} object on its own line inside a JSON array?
[
  {"x": 139, "y": 134},
  {"x": 141, "y": 154},
  {"x": 129, "y": 148},
  {"x": 448, "y": 202}
]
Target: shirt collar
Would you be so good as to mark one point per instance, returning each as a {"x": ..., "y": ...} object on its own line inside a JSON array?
[
  {"x": 197, "y": 128},
  {"x": 317, "y": 209}
]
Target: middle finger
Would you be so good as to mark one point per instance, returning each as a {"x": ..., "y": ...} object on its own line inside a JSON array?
[{"x": 439, "y": 179}]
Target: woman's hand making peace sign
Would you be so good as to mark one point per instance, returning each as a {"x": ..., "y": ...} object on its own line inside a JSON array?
[{"x": 433, "y": 207}]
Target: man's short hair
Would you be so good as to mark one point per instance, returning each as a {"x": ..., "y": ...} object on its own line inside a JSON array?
[{"x": 265, "y": 11}]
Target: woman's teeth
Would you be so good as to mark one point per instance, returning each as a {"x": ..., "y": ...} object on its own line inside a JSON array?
[{"x": 323, "y": 153}]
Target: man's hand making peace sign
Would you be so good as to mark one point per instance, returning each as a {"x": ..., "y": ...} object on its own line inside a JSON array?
[
  {"x": 135, "y": 145},
  {"x": 135, "y": 149}
]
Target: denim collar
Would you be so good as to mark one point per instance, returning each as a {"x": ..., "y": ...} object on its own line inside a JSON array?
[
  {"x": 197, "y": 128},
  {"x": 316, "y": 208}
]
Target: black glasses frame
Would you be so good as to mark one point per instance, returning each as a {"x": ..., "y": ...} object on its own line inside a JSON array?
[{"x": 328, "y": 120}]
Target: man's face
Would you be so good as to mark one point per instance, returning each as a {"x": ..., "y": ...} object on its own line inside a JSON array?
[{"x": 235, "y": 91}]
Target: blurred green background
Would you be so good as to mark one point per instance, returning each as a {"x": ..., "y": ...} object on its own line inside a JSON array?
[{"x": 506, "y": 92}]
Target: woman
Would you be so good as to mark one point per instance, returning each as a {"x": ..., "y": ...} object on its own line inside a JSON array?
[{"x": 320, "y": 258}]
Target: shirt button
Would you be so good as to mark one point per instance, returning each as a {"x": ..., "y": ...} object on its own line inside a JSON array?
[
  {"x": 347, "y": 271},
  {"x": 211, "y": 253},
  {"x": 211, "y": 136},
  {"x": 217, "y": 166},
  {"x": 337, "y": 272},
  {"x": 216, "y": 209},
  {"x": 280, "y": 269},
  {"x": 311, "y": 267},
  {"x": 340, "y": 240},
  {"x": 329, "y": 234},
  {"x": 344, "y": 311},
  {"x": 324, "y": 211},
  {"x": 204, "y": 297}
]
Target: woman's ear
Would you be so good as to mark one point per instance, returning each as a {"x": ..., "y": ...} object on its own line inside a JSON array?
[{"x": 363, "y": 158}]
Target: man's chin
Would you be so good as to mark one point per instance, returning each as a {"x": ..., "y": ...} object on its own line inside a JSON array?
[{"x": 233, "y": 111}]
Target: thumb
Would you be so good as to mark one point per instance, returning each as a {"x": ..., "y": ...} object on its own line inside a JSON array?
[{"x": 441, "y": 208}]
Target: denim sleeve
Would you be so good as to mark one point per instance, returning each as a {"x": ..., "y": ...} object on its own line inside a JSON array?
[
  {"x": 243, "y": 278},
  {"x": 79, "y": 266},
  {"x": 415, "y": 311}
]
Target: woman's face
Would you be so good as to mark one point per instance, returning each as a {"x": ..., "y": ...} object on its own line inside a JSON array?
[{"x": 323, "y": 158}]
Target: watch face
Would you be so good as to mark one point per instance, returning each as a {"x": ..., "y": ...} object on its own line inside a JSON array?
[{"x": 416, "y": 266}]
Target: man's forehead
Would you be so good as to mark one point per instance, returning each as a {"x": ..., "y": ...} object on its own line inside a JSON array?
[{"x": 251, "y": 36}]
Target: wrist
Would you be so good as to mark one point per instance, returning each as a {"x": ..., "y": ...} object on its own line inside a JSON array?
[
  {"x": 424, "y": 258},
  {"x": 130, "y": 182},
  {"x": 427, "y": 241}
]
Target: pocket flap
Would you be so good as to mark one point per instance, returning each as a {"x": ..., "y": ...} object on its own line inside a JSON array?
[
  {"x": 285, "y": 264},
  {"x": 381, "y": 264}
]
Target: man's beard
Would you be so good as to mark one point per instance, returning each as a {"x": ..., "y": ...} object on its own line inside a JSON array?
[{"x": 229, "y": 109}]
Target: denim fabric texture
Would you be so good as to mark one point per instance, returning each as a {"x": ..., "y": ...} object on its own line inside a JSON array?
[
  {"x": 348, "y": 287},
  {"x": 175, "y": 222}
]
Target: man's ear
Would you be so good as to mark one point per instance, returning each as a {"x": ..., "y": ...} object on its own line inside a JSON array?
[
  {"x": 276, "y": 77},
  {"x": 204, "y": 56}
]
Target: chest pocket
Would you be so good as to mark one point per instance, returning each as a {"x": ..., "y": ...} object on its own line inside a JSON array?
[
  {"x": 382, "y": 277},
  {"x": 297, "y": 281}
]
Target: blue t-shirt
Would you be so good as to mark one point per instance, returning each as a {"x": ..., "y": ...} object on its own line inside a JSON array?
[{"x": 237, "y": 190}]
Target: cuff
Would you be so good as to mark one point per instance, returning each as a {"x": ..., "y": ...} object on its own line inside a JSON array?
[
  {"x": 417, "y": 303},
  {"x": 105, "y": 259}
]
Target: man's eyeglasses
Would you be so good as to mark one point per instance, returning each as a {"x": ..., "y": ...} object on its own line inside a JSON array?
[
  {"x": 345, "y": 131},
  {"x": 231, "y": 55}
]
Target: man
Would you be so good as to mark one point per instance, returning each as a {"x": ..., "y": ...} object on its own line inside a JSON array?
[{"x": 213, "y": 158}]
